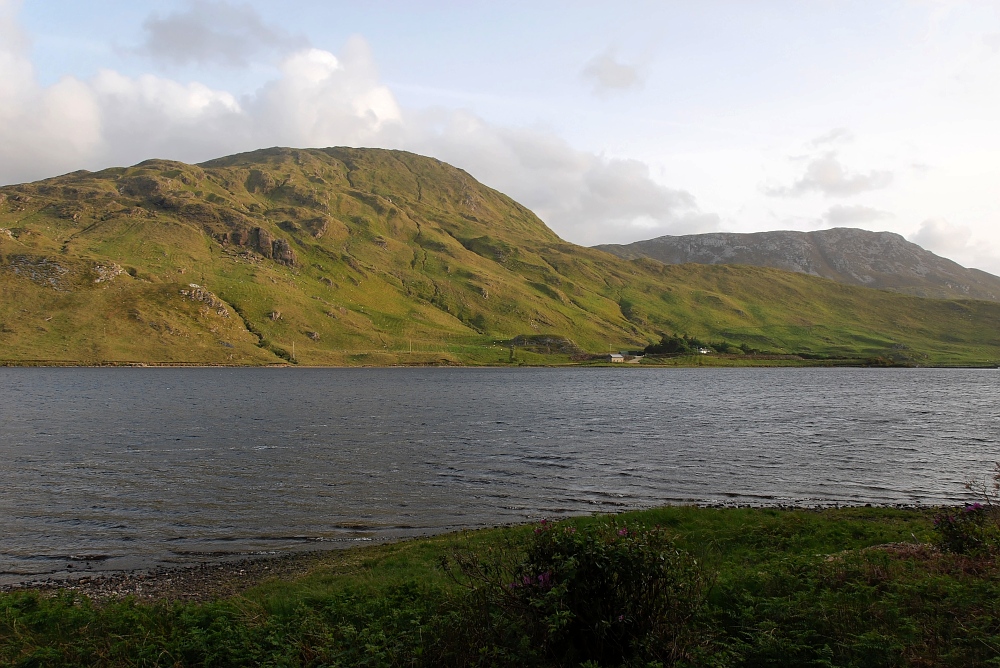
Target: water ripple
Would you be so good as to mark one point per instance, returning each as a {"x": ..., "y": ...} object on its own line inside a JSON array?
[{"x": 125, "y": 462}]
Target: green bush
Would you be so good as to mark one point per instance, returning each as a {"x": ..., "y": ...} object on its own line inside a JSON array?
[
  {"x": 972, "y": 530},
  {"x": 674, "y": 344},
  {"x": 603, "y": 593}
]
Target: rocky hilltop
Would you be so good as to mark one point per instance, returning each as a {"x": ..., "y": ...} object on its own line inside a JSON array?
[
  {"x": 880, "y": 260},
  {"x": 366, "y": 256}
]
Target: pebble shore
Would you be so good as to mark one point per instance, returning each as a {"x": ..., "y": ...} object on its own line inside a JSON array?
[{"x": 197, "y": 583}]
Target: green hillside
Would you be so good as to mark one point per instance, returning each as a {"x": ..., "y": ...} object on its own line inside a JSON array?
[{"x": 365, "y": 256}]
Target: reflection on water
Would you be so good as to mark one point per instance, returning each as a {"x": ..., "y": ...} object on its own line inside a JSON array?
[{"x": 119, "y": 468}]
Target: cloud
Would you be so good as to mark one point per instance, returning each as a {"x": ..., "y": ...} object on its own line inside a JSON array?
[
  {"x": 213, "y": 32},
  {"x": 825, "y": 175},
  {"x": 322, "y": 99},
  {"x": 584, "y": 197},
  {"x": 834, "y": 136},
  {"x": 156, "y": 117},
  {"x": 607, "y": 73},
  {"x": 12, "y": 38},
  {"x": 113, "y": 119},
  {"x": 942, "y": 237},
  {"x": 38, "y": 127},
  {"x": 841, "y": 214},
  {"x": 958, "y": 243}
]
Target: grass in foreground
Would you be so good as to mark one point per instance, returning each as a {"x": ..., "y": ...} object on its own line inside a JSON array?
[{"x": 674, "y": 586}]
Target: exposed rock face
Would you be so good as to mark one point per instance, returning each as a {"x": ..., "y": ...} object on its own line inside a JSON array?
[
  {"x": 282, "y": 252},
  {"x": 41, "y": 270},
  {"x": 107, "y": 272},
  {"x": 545, "y": 343},
  {"x": 261, "y": 241},
  {"x": 858, "y": 257},
  {"x": 199, "y": 294},
  {"x": 260, "y": 182}
]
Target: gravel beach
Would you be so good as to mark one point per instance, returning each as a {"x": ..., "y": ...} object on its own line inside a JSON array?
[{"x": 200, "y": 582}]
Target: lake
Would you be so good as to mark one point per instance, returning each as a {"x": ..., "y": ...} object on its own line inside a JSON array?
[{"x": 112, "y": 468}]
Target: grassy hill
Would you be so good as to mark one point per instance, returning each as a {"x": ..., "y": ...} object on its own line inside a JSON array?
[{"x": 366, "y": 256}]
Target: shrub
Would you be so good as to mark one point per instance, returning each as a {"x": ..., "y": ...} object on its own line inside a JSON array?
[
  {"x": 974, "y": 529},
  {"x": 603, "y": 593},
  {"x": 673, "y": 344}
]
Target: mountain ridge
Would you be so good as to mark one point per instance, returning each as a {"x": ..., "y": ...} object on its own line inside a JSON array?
[{"x": 882, "y": 260}]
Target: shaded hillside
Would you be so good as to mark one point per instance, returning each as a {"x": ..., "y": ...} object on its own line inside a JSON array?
[
  {"x": 368, "y": 256},
  {"x": 857, "y": 257}
]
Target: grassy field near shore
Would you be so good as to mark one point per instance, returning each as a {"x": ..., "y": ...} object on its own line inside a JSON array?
[{"x": 737, "y": 587}]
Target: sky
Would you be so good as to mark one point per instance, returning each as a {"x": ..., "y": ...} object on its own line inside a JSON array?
[{"x": 614, "y": 122}]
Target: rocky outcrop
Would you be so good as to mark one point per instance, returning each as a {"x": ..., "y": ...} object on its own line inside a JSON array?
[
  {"x": 545, "y": 343},
  {"x": 282, "y": 252},
  {"x": 196, "y": 293},
  {"x": 107, "y": 272},
  {"x": 857, "y": 257},
  {"x": 41, "y": 270},
  {"x": 260, "y": 182},
  {"x": 262, "y": 242}
]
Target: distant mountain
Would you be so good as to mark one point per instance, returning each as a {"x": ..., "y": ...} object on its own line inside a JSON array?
[
  {"x": 880, "y": 260},
  {"x": 343, "y": 256}
]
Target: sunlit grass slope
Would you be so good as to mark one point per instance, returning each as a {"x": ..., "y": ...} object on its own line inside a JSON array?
[{"x": 367, "y": 256}]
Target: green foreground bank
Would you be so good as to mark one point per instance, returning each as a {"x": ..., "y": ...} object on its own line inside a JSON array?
[{"x": 680, "y": 586}]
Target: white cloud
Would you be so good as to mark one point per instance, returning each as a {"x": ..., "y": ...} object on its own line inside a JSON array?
[
  {"x": 319, "y": 99},
  {"x": 107, "y": 120},
  {"x": 151, "y": 116},
  {"x": 213, "y": 32},
  {"x": 850, "y": 215},
  {"x": 12, "y": 38},
  {"x": 113, "y": 119},
  {"x": 39, "y": 128},
  {"x": 960, "y": 243},
  {"x": 942, "y": 237},
  {"x": 174, "y": 101},
  {"x": 607, "y": 73},
  {"x": 824, "y": 174},
  {"x": 583, "y": 196},
  {"x": 834, "y": 136}
]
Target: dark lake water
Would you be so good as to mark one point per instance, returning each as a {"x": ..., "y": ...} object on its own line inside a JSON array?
[{"x": 124, "y": 468}]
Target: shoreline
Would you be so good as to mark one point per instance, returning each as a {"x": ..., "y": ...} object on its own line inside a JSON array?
[
  {"x": 211, "y": 580},
  {"x": 194, "y": 583},
  {"x": 739, "y": 364}
]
